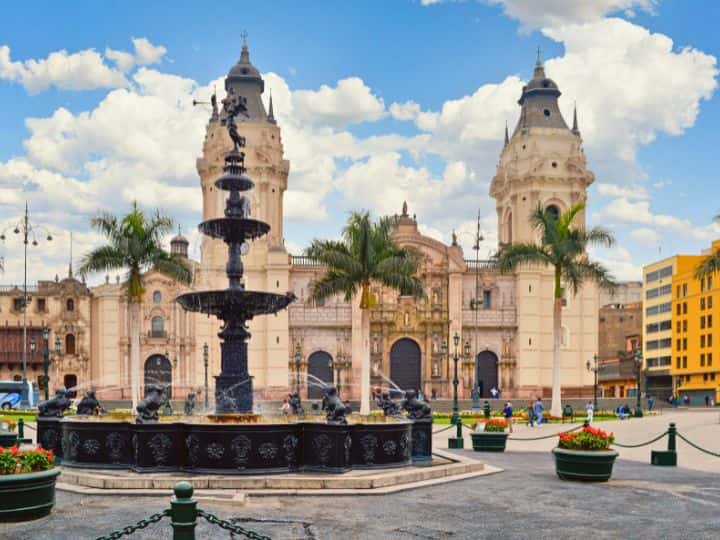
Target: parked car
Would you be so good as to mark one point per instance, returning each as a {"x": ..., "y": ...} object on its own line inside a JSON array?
[{"x": 11, "y": 393}]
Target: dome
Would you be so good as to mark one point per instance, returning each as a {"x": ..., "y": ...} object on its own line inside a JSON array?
[
  {"x": 244, "y": 71},
  {"x": 179, "y": 239}
]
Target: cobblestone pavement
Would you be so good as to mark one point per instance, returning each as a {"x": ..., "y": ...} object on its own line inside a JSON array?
[{"x": 527, "y": 501}]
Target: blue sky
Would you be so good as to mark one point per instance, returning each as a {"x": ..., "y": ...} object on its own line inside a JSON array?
[{"x": 379, "y": 101}]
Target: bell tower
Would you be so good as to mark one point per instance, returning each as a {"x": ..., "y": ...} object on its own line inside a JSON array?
[
  {"x": 543, "y": 163},
  {"x": 267, "y": 263}
]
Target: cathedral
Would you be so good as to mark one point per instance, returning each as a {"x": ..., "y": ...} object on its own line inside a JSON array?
[{"x": 503, "y": 320}]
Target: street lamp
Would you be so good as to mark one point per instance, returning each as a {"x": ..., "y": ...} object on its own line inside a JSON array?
[
  {"x": 457, "y": 441},
  {"x": 594, "y": 369},
  {"x": 58, "y": 350},
  {"x": 298, "y": 360},
  {"x": 33, "y": 348},
  {"x": 638, "y": 367},
  {"x": 27, "y": 229},
  {"x": 205, "y": 361},
  {"x": 46, "y": 360}
]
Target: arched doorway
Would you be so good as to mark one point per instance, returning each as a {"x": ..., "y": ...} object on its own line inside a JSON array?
[
  {"x": 320, "y": 366},
  {"x": 486, "y": 372},
  {"x": 405, "y": 368},
  {"x": 70, "y": 382},
  {"x": 159, "y": 371}
]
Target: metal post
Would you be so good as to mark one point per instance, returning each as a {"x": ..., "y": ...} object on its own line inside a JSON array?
[
  {"x": 205, "y": 361},
  {"x": 298, "y": 359},
  {"x": 638, "y": 366},
  {"x": 21, "y": 429},
  {"x": 46, "y": 362},
  {"x": 672, "y": 432},
  {"x": 457, "y": 441},
  {"x": 24, "y": 402},
  {"x": 595, "y": 387},
  {"x": 183, "y": 512}
]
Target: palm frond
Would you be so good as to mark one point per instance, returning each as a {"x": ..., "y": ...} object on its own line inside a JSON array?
[
  {"x": 599, "y": 236},
  {"x": 708, "y": 266},
  {"x": 102, "y": 259},
  {"x": 332, "y": 283},
  {"x": 172, "y": 265},
  {"x": 513, "y": 255}
]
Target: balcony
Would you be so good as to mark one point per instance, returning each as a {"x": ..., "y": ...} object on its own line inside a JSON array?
[
  {"x": 490, "y": 317},
  {"x": 301, "y": 315},
  {"x": 157, "y": 334}
]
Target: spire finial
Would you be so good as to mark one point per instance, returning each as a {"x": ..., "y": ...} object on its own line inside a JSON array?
[
  {"x": 404, "y": 209},
  {"x": 539, "y": 72},
  {"x": 538, "y": 62},
  {"x": 244, "y": 54},
  {"x": 454, "y": 238},
  {"x": 507, "y": 137},
  {"x": 70, "y": 271},
  {"x": 575, "y": 128},
  {"x": 271, "y": 112},
  {"x": 244, "y": 36}
]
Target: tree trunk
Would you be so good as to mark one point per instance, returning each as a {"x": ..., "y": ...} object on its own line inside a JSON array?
[
  {"x": 365, "y": 362},
  {"x": 134, "y": 352},
  {"x": 556, "y": 405}
]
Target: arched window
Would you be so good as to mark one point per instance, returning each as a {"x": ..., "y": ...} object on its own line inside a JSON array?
[
  {"x": 158, "y": 326},
  {"x": 69, "y": 344},
  {"x": 554, "y": 210},
  {"x": 70, "y": 304},
  {"x": 157, "y": 297}
]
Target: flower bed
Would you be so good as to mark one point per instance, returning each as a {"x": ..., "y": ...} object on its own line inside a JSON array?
[
  {"x": 492, "y": 436},
  {"x": 27, "y": 483},
  {"x": 585, "y": 455}
]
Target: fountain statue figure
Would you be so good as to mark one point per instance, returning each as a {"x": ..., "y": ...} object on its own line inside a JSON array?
[
  {"x": 295, "y": 404},
  {"x": 189, "y": 404},
  {"x": 416, "y": 409},
  {"x": 148, "y": 408},
  {"x": 389, "y": 406},
  {"x": 335, "y": 408},
  {"x": 235, "y": 306},
  {"x": 55, "y": 407},
  {"x": 89, "y": 404}
]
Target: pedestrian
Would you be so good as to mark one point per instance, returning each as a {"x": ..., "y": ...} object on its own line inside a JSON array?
[
  {"x": 686, "y": 400},
  {"x": 494, "y": 392},
  {"x": 531, "y": 415},
  {"x": 589, "y": 409},
  {"x": 707, "y": 401},
  {"x": 650, "y": 402},
  {"x": 538, "y": 409},
  {"x": 486, "y": 409},
  {"x": 433, "y": 394},
  {"x": 507, "y": 414},
  {"x": 420, "y": 396},
  {"x": 285, "y": 409}
]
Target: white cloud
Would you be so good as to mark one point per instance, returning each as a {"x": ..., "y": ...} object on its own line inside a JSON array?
[
  {"x": 553, "y": 13},
  {"x": 645, "y": 235},
  {"x": 618, "y": 261},
  {"x": 405, "y": 111},
  {"x": 146, "y": 53},
  {"x": 350, "y": 101},
  {"x": 123, "y": 60},
  {"x": 84, "y": 70},
  {"x": 614, "y": 190},
  {"x": 662, "y": 183}
]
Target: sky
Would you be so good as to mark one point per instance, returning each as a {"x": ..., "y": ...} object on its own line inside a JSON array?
[{"x": 379, "y": 101}]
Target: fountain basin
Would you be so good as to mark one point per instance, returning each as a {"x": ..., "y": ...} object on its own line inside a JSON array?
[
  {"x": 239, "y": 303},
  {"x": 234, "y": 228},
  {"x": 208, "y": 447}
]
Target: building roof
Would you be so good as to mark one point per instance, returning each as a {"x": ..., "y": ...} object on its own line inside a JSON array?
[
  {"x": 244, "y": 78},
  {"x": 539, "y": 102}
]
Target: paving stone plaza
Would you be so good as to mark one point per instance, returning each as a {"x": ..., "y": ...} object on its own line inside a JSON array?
[{"x": 523, "y": 499}]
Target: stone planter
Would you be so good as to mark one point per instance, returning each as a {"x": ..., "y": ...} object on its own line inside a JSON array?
[
  {"x": 489, "y": 441},
  {"x": 27, "y": 496},
  {"x": 584, "y": 465}
]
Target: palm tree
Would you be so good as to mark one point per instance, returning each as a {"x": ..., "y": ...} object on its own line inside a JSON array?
[
  {"x": 563, "y": 248},
  {"x": 711, "y": 263},
  {"x": 366, "y": 254},
  {"x": 134, "y": 245}
]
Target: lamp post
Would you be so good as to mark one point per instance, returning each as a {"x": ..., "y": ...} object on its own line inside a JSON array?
[
  {"x": 457, "y": 441},
  {"x": 33, "y": 348},
  {"x": 27, "y": 229},
  {"x": 58, "y": 350},
  {"x": 46, "y": 359},
  {"x": 341, "y": 363},
  {"x": 205, "y": 362},
  {"x": 594, "y": 368},
  {"x": 638, "y": 367},
  {"x": 298, "y": 360}
]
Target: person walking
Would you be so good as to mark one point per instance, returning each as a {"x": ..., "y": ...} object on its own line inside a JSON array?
[
  {"x": 650, "y": 402},
  {"x": 494, "y": 392},
  {"x": 707, "y": 401},
  {"x": 531, "y": 415},
  {"x": 590, "y": 410},
  {"x": 507, "y": 414},
  {"x": 538, "y": 409},
  {"x": 285, "y": 409}
]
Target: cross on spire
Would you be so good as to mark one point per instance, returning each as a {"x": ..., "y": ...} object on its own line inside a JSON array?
[{"x": 244, "y": 36}]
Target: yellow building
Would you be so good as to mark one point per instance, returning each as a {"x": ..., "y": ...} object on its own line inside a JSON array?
[
  {"x": 695, "y": 339},
  {"x": 657, "y": 327}
]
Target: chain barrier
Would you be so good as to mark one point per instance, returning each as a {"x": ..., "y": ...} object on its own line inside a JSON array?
[
  {"x": 451, "y": 426},
  {"x": 228, "y": 526},
  {"x": 114, "y": 535},
  {"x": 698, "y": 447},
  {"x": 641, "y": 444},
  {"x": 545, "y": 436}
]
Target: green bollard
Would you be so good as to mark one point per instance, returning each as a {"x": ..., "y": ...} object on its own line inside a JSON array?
[
  {"x": 21, "y": 429},
  {"x": 183, "y": 512},
  {"x": 666, "y": 458}
]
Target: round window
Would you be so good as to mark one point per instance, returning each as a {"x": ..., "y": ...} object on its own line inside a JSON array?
[{"x": 546, "y": 112}]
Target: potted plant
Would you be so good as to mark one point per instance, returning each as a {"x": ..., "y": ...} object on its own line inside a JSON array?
[
  {"x": 8, "y": 437},
  {"x": 585, "y": 455},
  {"x": 490, "y": 436},
  {"x": 27, "y": 483}
]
